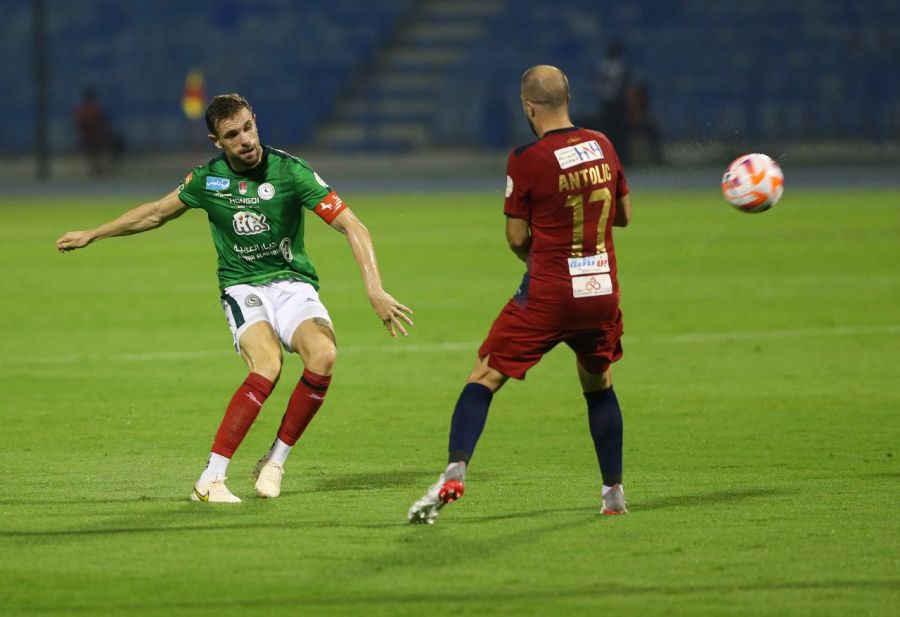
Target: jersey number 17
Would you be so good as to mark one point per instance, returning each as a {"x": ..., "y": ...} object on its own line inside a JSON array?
[{"x": 576, "y": 202}]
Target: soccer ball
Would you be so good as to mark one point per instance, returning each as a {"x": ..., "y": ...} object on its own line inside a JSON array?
[{"x": 753, "y": 183}]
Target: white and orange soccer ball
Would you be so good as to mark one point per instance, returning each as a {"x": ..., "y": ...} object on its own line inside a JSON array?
[{"x": 753, "y": 183}]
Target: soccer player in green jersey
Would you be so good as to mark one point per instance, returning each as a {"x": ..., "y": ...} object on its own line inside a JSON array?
[{"x": 255, "y": 198}]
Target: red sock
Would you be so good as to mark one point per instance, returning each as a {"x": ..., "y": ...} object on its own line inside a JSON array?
[
  {"x": 241, "y": 412},
  {"x": 305, "y": 401}
]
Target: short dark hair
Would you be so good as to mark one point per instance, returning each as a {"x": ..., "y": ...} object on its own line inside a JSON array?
[{"x": 222, "y": 107}]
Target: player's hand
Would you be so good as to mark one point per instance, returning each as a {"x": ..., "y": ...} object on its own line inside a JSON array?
[
  {"x": 391, "y": 313},
  {"x": 72, "y": 240}
]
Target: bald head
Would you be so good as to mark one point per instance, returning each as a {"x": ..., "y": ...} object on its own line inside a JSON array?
[{"x": 545, "y": 85}]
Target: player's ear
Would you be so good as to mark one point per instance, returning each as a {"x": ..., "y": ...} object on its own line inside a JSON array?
[{"x": 215, "y": 140}]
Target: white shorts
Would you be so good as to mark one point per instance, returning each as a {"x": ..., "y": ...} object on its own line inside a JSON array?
[{"x": 284, "y": 304}]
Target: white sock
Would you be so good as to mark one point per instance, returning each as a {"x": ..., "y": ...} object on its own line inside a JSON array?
[
  {"x": 215, "y": 469},
  {"x": 456, "y": 471},
  {"x": 279, "y": 451},
  {"x": 607, "y": 489}
]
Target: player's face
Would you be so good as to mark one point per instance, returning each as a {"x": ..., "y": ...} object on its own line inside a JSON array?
[{"x": 238, "y": 138}]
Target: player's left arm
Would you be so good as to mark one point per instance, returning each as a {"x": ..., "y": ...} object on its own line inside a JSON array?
[
  {"x": 390, "y": 311},
  {"x": 518, "y": 235},
  {"x": 623, "y": 211}
]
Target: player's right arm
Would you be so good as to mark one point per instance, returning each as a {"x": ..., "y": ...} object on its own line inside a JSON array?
[
  {"x": 142, "y": 218},
  {"x": 518, "y": 236}
]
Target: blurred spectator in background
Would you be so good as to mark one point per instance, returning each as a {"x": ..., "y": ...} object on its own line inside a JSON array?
[
  {"x": 645, "y": 134},
  {"x": 612, "y": 81},
  {"x": 100, "y": 144}
]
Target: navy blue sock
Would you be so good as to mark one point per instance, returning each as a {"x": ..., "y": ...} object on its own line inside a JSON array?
[
  {"x": 468, "y": 421},
  {"x": 605, "y": 419}
]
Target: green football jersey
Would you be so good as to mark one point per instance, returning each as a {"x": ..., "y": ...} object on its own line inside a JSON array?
[{"x": 256, "y": 217}]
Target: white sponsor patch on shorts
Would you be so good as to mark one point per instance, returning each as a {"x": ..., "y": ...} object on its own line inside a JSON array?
[
  {"x": 578, "y": 154},
  {"x": 592, "y": 285},
  {"x": 594, "y": 264}
]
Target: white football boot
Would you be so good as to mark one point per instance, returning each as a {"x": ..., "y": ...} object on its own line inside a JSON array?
[
  {"x": 214, "y": 492},
  {"x": 449, "y": 487},
  {"x": 613, "y": 500},
  {"x": 268, "y": 475}
]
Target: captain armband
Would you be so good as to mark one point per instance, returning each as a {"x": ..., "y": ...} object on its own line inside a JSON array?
[{"x": 330, "y": 207}]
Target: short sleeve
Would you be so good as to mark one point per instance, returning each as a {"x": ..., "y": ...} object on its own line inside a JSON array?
[
  {"x": 188, "y": 190},
  {"x": 311, "y": 188},
  {"x": 621, "y": 183},
  {"x": 518, "y": 203}
]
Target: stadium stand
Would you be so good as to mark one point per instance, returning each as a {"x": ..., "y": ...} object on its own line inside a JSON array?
[{"x": 400, "y": 75}]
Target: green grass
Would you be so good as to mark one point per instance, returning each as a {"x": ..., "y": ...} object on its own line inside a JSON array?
[{"x": 759, "y": 388}]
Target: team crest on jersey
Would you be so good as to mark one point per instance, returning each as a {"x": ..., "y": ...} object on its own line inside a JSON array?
[
  {"x": 249, "y": 223},
  {"x": 217, "y": 184},
  {"x": 242, "y": 187},
  {"x": 576, "y": 155},
  {"x": 266, "y": 191}
]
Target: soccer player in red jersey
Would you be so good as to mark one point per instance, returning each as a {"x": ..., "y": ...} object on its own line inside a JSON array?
[{"x": 564, "y": 194}]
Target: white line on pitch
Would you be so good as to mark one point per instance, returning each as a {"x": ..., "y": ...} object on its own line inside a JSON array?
[{"x": 401, "y": 347}]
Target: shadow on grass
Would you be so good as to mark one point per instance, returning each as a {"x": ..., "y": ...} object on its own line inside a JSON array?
[
  {"x": 326, "y": 483},
  {"x": 369, "y": 481},
  {"x": 586, "y": 510},
  {"x": 88, "y": 501},
  {"x": 373, "y": 480},
  {"x": 698, "y": 498},
  {"x": 242, "y": 526}
]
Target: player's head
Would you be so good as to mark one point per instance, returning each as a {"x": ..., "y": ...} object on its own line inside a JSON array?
[
  {"x": 545, "y": 93},
  {"x": 232, "y": 128}
]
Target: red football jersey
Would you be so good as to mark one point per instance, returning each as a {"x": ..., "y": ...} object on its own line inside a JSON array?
[{"x": 567, "y": 185}]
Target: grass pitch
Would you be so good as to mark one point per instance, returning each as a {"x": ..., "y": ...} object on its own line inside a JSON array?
[{"x": 759, "y": 388}]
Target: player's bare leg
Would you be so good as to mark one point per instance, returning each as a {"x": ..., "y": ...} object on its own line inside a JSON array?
[
  {"x": 261, "y": 350},
  {"x": 468, "y": 421},
  {"x": 605, "y": 419},
  {"x": 315, "y": 342}
]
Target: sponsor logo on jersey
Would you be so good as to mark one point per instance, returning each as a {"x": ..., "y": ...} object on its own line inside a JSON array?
[
  {"x": 592, "y": 285},
  {"x": 242, "y": 187},
  {"x": 217, "y": 184},
  {"x": 509, "y": 186},
  {"x": 249, "y": 223},
  {"x": 266, "y": 191},
  {"x": 576, "y": 155},
  {"x": 594, "y": 264},
  {"x": 243, "y": 201}
]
